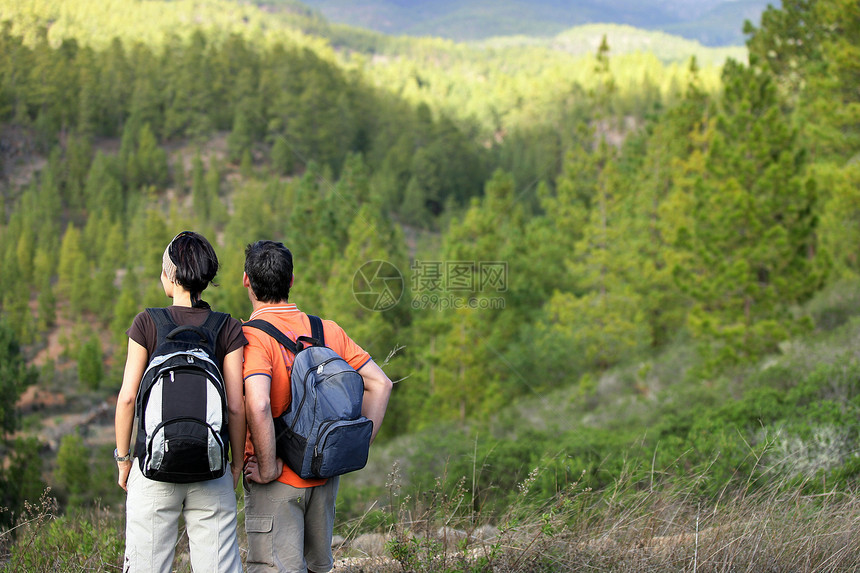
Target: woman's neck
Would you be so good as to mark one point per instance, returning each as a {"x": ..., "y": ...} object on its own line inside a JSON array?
[{"x": 181, "y": 297}]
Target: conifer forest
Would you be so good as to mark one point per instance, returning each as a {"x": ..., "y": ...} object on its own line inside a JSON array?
[{"x": 593, "y": 273}]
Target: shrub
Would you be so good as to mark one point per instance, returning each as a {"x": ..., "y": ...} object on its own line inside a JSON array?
[
  {"x": 90, "y": 368},
  {"x": 88, "y": 541},
  {"x": 73, "y": 468}
]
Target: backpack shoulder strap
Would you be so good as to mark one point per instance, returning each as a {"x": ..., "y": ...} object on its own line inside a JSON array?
[
  {"x": 213, "y": 325},
  {"x": 164, "y": 323},
  {"x": 273, "y": 331},
  {"x": 317, "y": 329}
]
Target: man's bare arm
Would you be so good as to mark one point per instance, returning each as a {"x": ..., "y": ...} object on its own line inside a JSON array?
[
  {"x": 377, "y": 391},
  {"x": 258, "y": 413}
]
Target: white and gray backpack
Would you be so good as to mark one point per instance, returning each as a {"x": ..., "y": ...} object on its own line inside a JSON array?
[{"x": 181, "y": 405}]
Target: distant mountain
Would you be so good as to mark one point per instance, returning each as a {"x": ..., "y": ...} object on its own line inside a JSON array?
[{"x": 710, "y": 22}]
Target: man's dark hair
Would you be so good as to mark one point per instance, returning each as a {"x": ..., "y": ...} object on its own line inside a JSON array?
[
  {"x": 269, "y": 266},
  {"x": 195, "y": 260}
]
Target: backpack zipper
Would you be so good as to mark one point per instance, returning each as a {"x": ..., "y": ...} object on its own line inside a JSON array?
[{"x": 305, "y": 385}]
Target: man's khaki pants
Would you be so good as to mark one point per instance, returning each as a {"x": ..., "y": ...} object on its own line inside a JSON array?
[{"x": 289, "y": 529}]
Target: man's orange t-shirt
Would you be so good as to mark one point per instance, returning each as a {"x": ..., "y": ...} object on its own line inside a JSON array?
[{"x": 264, "y": 355}]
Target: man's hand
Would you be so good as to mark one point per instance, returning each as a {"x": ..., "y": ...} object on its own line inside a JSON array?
[{"x": 252, "y": 471}]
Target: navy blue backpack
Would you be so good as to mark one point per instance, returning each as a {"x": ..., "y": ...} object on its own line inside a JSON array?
[{"x": 322, "y": 434}]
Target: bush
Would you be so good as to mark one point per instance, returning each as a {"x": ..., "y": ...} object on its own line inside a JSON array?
[
  {"x": 20, "y": 477},
  {"x": 73, "y": 468},
  {"x": 90, "y": 368},
  {"x": 87, "y": 541},
  {"x": 835, "y": 305}
]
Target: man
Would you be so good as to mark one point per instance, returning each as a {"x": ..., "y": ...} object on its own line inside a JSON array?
[{"x": 289, "y": 520}]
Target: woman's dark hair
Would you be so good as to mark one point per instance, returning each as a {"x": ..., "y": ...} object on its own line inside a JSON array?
[
  {"x": 195, "y": 260},
  {"x": 269, "y": 266}
]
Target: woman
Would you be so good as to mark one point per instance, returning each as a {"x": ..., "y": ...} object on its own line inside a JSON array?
[{"x": 209, "y": 507}]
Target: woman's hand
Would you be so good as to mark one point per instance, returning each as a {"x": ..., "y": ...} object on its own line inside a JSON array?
[
  {"x": 236, "y": 470},
  {"x": 124, "y": 470}
]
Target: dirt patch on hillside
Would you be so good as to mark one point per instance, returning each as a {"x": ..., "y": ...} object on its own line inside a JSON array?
[
  {"x": 35, "y": 398},
  {"x": 19, "y": 159}
]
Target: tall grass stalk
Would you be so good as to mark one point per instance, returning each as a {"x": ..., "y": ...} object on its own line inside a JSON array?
[{"x": 628, "y": 527}]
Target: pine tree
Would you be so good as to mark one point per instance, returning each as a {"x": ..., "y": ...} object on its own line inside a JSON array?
[
  {"x": 753, "y": 231},
  {"x": 88, "y": 118},
  {"x": 47, "y": 307},
  {"x": 43, "y": 203},
  {"x": 840, "y": 217},
  {"x": 147, "y": 238},
  {"x": 189, "y": 96},
  {"x": 15, "y": 376},
  {"x": 218, "y": 214},
  {"x": 25, "y": 252},
  {"x": 180, "y": 178},
  {"x": 810, "y": 49},
  {"x": 90, "y": 366},
  {"x": 78, "y": 157},
  {"x": 126, "y": 308},
  {"x": 73, "y": 468},
  {"x": 568, "y": 207},
  {"x": 79, "y": 290},
  {"x": 147, "y": 98},
  {"x": 103, "y": 191},
  {"x": 71, "y": 252},
  {"x": 129, "y": 164},
  {"x": 151, "y": 159},
  {"x": 662, "y": 206},
  {"x": 604, "y": 324},
  {"x": 414, "y": 207},
  {"x": 472, "y": 302},
  {"x": 16, "y": 61},
  {"x": 200, "y": 199},
  {"x": 102, "y": 289},
  {"x": 118, "y": 87},
  {"x": 46, "y": 300},
  {"x": 371, "y": 320},
  {"x": 242, "y": 136},
  {"x": 281, "y": 156},
  {"x": 236, "y": 78}
]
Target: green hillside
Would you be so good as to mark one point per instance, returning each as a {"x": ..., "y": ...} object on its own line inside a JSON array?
[
  {"x": 154, "y": 22},
  {"x": 505, "y": 80},
  {"x": 628, "y": 292},
  {"x": 586, "y": 39}
]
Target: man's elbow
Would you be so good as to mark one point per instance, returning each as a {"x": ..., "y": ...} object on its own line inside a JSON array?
[
  {"x": 387, "y": 385},
  {"x": 375, "y": 379},
  {"x": 379, "y": 388},
  {"x": 258, "y": 408}
]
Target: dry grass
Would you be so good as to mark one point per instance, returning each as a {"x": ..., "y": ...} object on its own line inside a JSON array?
[
  {"x": 655, "y": 529},
  {"x": 627, "y": 528}
]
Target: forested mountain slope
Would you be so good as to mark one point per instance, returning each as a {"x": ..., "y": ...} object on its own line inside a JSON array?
[{"x": 552, "y": 219}]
